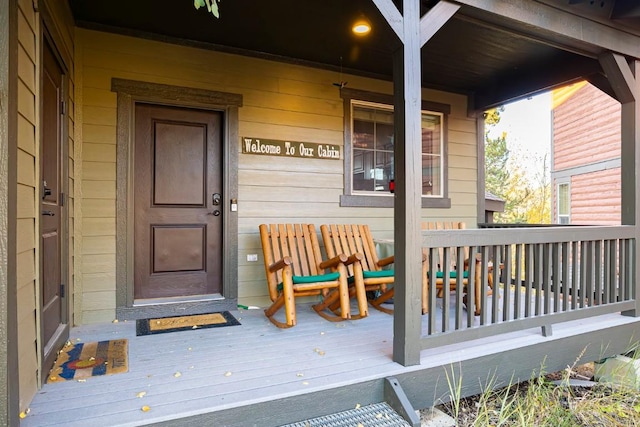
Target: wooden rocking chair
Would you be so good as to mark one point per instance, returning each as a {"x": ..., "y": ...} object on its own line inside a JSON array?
[
  {"x": 368, "y": 275},
  {"x": 294, "y": 267}
]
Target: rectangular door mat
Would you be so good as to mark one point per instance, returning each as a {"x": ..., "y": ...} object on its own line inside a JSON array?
[
  {"x": 161, "y": 325},
  {"x": 83, "y": 360}
]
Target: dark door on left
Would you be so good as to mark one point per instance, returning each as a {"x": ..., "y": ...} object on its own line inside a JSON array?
[{"x": 51, "y": 208}]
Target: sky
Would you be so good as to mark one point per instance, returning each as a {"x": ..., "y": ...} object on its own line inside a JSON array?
[{"x": 528, "y": 127}]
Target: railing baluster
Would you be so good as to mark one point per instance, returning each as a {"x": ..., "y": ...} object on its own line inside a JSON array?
[
  {"x": 566, "y": 268},
  {"x": 575, "y": 274},
  {"x": 546, "y": 283},
  {"x": 538, "y": 278},
  {"x": 556, "y": 281},
  {"x": 431, "y": 271},
  {"x": 496, "y": 259},
  {"x": 518, "y": 276},
  {"x": 459, "y": 284},
  {"x": 471, "y": 287},
  {"x": 597, "y": 285},
  {"x": 590, "y": 272},
  {"x": 504, "y": 277},
  {"x": 483, "y": 285},
  {"x": 445, "y": 267}
]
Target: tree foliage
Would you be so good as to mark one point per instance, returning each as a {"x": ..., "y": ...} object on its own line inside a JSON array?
[
  {"x": 526, "y": 193},
  {"x": 212, "y": 6}
]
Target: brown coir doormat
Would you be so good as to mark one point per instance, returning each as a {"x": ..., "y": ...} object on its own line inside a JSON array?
[
  {"x": 83, "y": 360},
  {"x": 161, "y": 325}
]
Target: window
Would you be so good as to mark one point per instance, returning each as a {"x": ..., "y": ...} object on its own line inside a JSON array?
[
  {"x": 564, "y": 204},
  {"x": 369, "y": 151}
]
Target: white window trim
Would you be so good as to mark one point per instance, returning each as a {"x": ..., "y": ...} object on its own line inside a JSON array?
[
  {"x": 370, "y": 199},
  {"x": 558, "y": 215}
]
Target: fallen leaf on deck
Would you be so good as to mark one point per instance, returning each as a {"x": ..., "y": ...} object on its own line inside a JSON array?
[
  {"x": 24, "y": 413},
  {"x": 115, "y": 320},
  {"x": 299, "y": 374},
  {"x": 195, "y": 327},
  {"x": 141, "y": 394},
  {"x": 305, "y": 383},
  {"x": 82, "y": 380},
  {"x": 227, "y": 374},
  {"x": 177, "y": 374},
  {"x": 145, "y": 408},
  {"x": 357, "y": 406}
]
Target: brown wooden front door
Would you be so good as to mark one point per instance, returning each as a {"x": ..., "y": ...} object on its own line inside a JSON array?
[
  {"x": 51, "y": 202},
  {"x": 178, "y": 202}
]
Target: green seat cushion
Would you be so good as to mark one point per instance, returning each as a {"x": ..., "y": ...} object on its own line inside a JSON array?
[
  {"x": 452, "y": 275},
  {"x": 299, "y": 280},
  {"x": 374, "y": 274}
]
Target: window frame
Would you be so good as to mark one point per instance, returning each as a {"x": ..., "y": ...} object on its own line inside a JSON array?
[
  {"x": 568, "y": 214},
  {"x": 349, "y": 198}
]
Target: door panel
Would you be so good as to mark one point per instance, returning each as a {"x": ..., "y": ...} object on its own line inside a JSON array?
[
  {"x": 177, "y": 240},
  {"x": 51, "y": 190}
]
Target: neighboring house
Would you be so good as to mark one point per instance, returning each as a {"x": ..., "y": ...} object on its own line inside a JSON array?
[
  {"x": 586, "y": 168},
  {"x": 281, "y": 115}
]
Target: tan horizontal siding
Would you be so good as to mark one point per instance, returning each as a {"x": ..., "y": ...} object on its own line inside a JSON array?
[
  {"x": 280, "y": 101},
  {"x": 26, "y": 210}
]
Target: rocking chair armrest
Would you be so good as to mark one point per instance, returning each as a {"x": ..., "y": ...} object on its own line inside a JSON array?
[
  {"x": 357, "y": 257},
  {"x": 338, "y": 259},
  {"x": 279, "y": 265},
  {"x": 386, "y": 261}
]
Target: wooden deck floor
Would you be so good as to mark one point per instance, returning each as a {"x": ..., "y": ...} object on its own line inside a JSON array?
[{"x": 195, "y": 372}]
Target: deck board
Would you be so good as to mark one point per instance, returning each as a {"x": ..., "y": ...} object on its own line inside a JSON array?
[{"x": 265, "y": 363}]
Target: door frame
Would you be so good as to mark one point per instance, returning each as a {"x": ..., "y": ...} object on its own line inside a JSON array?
[
  {"x": 50, "y": 35},
  {"x": 130, "y": 92}
]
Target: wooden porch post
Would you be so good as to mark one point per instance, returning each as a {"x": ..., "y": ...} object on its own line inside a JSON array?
[
  {"x": 9, "y": 408},
  {"x": 408, "y": 192},
  {"x": 624, "y": 77},
  {"x": 414, "y": 32}
]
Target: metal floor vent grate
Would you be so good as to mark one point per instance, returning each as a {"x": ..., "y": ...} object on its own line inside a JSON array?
[{"x": 375, "y": 415}]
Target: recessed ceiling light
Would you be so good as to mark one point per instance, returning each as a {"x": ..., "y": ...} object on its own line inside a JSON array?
[{"x": 361, "y": 27}]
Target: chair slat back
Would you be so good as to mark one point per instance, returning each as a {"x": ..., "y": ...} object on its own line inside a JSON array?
[
  {"x": 349, "y": 239},
  {"x": 297, "y": 241}
]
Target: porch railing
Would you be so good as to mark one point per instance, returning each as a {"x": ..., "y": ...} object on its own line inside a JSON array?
[{"x": 541, "y": 276}]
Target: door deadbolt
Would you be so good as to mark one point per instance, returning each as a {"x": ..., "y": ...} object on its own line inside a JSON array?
[{"x": 216, "y": 198}]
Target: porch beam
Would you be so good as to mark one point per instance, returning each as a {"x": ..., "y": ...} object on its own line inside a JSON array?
[
  {"x": 408, "y": 194},
  {"x": 553, "y": 24},
  {"x": 393, "y": 17},
  {"x": 624, "y": 77},
  {"x": 9, "y": 396},
  {"x": 433, "y": 20}
]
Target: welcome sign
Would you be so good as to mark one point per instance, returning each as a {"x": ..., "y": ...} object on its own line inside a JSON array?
[{"x": 272, "y": 147}]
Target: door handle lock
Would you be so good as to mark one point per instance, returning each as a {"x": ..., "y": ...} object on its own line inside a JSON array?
[
  {"x": 48, "y": 213},
  {"x": 215, "y": 213},
  {"x": 216, "y": 198}
]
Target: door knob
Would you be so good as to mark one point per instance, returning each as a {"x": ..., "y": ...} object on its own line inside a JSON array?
[
  {"x": 48, "y": 213},
  {"x": 215, "y": 213}
]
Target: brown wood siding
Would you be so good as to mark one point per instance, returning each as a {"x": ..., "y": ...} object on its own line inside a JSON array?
[
  {"x": 595, "y": 198},
  {"x": 586, "y": 129},
  {"x": 280, "y": 101}
]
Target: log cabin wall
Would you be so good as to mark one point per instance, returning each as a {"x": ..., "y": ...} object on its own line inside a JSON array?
[
  {"x": 281, "y": 102},
  {"x": 586, "y": 154}
]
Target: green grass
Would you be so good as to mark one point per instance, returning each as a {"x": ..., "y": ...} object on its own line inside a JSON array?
[{"x": 540, "y": 402}]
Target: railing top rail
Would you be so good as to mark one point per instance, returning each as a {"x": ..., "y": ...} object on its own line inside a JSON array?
[{"x": 524, "y": 235}]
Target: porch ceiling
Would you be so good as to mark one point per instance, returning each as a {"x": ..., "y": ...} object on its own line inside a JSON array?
[{"x": 473, "y": 54}]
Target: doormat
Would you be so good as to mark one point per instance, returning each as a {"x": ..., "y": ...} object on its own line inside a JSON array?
[
  {"x": 161, "y": 325},
  {"x": 83, "y": 360}
]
